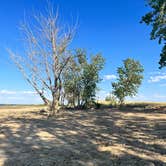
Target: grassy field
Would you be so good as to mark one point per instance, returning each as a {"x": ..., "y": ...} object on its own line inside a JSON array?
[{"x": 133, "y": 136}]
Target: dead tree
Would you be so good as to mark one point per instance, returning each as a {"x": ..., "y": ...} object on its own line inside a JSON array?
[{"x": 45, "y": 56}]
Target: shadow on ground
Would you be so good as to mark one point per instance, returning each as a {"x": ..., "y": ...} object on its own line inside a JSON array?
[{"x": 83, "y": 138}]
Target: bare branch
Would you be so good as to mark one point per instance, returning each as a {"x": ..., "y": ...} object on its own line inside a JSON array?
[{"x": 45, "y": 56}]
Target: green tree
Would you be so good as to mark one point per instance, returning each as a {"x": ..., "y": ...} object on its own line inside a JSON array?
[
  {"x": 80, "y": 81},
  {"x": 157, "y": 19},
  {"x": 72, "y": 81},
  {"x": 91, "y": 78},
  {"x": 129, "y": 79}
]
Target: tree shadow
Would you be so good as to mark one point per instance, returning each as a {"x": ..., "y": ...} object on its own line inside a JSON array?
[
  {"x": 144, "y": 108},
  {"x": 79, "y": 138}
]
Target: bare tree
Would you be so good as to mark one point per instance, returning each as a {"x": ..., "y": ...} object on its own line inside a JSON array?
[{"x": 45, "y": 56}]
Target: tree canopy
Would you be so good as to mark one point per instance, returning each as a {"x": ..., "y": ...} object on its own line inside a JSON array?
[
  {"x": 80, "y": 81},
  {"x": 157, "y": 19},
  {"x": 129, "y": 79}
]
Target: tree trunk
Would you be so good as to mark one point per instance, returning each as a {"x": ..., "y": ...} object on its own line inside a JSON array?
[
  {"x": 73, "y": 100},
  {"x": 78, "y": 104},
  {"x": 54, "y": 106},
  {"x": 121, "y": 102}
]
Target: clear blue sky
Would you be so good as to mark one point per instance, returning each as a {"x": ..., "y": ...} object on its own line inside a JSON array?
[{"x": 107, "y": 26}]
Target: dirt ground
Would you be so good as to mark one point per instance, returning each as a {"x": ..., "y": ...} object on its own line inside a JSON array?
[{"x": 110, "y": 137}]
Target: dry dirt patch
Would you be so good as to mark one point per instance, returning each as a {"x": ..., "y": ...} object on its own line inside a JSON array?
[{"x": 82, "y": 138}]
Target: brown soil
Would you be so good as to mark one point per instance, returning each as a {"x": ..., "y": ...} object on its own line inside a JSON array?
[{"x": 82, "y": 138}]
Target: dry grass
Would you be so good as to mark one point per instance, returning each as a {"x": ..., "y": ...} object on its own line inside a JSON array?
[{"x": 83, "y": 138}]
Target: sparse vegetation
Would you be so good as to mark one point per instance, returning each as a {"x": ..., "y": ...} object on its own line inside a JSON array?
[{"x": 134, "y": 136}]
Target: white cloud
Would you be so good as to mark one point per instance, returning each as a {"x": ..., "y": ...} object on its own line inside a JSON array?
[
  {"x": 19, "y": 97},
  {"x": 157, "y": 78},
  {"x": 11, "y": 92},
  {"x": 28, "y": 92},
  {"x": 110, "y": 77},
  {"x": 7, "y": 92}
]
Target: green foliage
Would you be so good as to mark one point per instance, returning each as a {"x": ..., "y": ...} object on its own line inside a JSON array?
[
  {"x": 129, "y": 79},
  {"x": 163, "y": 57},
  {"x": 80, "y": 80},
  {"x": 157, "y": 19},
  {"x": 91, "y": 78}
]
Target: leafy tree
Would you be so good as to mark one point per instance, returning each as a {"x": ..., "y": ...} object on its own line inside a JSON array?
[
  {"x": 129, "y": 79},
  {"x": 72, "y": 82},
  {"x": 91, "y": 78},
  {"x": 80, "y": 81},
  {"x": 157, "y": 19}
]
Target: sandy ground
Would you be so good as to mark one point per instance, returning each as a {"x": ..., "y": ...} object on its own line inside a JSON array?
[{"x": 82, "y": 138}]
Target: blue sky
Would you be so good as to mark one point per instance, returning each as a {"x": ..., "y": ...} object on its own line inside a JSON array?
[{"x": 107, "y": 26}]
